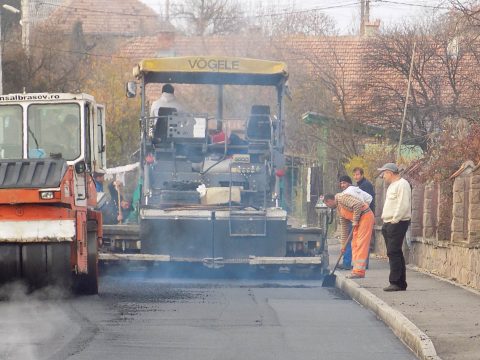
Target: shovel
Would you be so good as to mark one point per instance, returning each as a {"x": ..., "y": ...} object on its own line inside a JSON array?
[{"x": 329, "y": 280}]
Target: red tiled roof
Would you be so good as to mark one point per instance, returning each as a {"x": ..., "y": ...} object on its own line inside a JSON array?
[
  {"x": 340, "y": 64},
  {"x": 149, "y": 46},
  {"x": 106, "y": 17},
  {"x": 334, "y": 62},
  {"x": 342, "y": 55}
]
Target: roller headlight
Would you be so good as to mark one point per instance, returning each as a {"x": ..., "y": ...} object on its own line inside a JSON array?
[{"x": 46, "y": 195}]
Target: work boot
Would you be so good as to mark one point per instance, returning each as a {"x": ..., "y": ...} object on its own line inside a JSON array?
[
  {"x": 354, "y": 276},
  {"x": 344, "y": 267},
  {"x": 394, "y": 287}
]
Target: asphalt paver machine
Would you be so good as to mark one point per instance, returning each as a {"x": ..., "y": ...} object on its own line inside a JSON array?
[{"x": 211, "y": 190}]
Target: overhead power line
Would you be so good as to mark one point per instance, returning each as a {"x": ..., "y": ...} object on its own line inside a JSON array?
[
  {"x": 281, "y": 13},
  {"x": 418, "y": 5}
]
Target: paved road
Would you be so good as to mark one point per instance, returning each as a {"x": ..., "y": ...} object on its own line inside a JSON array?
[{"x": 138, "y": 318}]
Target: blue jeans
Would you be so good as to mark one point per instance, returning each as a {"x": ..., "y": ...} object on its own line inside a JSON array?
[{"x": 347, "y": 257}]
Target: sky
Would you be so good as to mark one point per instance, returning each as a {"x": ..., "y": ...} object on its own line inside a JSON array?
[{"x": 347, "y": 12}]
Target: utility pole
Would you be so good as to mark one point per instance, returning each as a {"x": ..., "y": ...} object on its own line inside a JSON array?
[
  {"x": 367, "y": 12},
  {"x": 167, "y": 10},
  {"x": 362, "y": 18},
  {"x": 26, "y": 27},
  {"x": 15, "y": 11},
  {"x": 1, "y": 54}
]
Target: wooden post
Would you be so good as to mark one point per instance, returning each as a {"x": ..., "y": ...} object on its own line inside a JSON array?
[{"x": 406, "y": 102}]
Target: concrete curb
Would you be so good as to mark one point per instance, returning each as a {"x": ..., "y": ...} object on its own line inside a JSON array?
[{"x": 403, "y": 328}]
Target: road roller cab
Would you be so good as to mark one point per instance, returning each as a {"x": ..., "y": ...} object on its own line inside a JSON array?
[{"x": 50, "y": 145}]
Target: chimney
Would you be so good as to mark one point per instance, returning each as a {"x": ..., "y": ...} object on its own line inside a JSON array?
[
  {"x": 167, "y": 10},
  {"x": 364, "y": 16},
  {"x": 372, "y": 28},
  {"x": 165, "y": 42}
]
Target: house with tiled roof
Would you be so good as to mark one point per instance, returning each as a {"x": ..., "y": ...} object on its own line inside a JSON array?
[
  {"x": 128, "y": 18},
  {"x": 105, "y": 25}
]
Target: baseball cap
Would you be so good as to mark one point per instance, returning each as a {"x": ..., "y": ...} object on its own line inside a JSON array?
[
  {"x": 99, "y": 172},
  {"x": 389, "y": 166}
]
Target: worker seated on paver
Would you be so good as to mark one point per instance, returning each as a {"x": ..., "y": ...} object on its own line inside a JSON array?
[
  {"x": 161, "y": 109},
  {"x": 166, "y": 100}
]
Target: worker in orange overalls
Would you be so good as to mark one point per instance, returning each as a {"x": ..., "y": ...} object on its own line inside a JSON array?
[{"x": 358, "y": 212}]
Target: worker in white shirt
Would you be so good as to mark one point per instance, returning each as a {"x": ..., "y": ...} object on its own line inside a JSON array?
[
  {"x": 396, "y": 216},
  {"x": 166, "y": 100},
  {"x": 345, "y": 183}
]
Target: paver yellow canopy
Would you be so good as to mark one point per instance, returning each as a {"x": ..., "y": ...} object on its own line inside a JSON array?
[{"x": 212, "y": 70}]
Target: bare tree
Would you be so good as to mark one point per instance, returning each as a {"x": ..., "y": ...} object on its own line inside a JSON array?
[
  {"x": 470, "y": 10},
  {"x": 442, "y": 81},
  {"x": 57, "y": 62},
  {"x": 323, "y": 84},
  {"x": 208, "y": 17},
  {"x": 292, "y": 21}
]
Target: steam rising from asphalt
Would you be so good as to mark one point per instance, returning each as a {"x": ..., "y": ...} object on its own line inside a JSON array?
[{"x": 29, "y": 321}]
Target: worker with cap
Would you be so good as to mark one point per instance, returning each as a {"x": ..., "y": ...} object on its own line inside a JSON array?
[
  {"x": 396, "y": 216},
  {"x": 356, "y": 211},
  {"x": 347, "y": 187}
]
